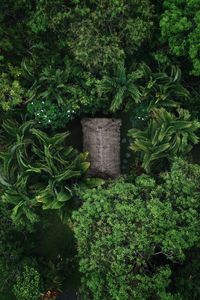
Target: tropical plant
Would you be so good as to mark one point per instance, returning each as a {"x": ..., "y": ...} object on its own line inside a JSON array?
[
  {"x": 166, "y": 136},
  {"x": 131, "y": 236},
  {"x": 36, "y": 169},
  {"x": 57, "y": 95},
  {"x": 48, "y": 96},
  {"x": 159, "y": 89},
  {"x": 55, "y": 273},
  {"x": 14, "y": 178},
  {"x": 121, "y": 87},
  {"x": 162, "y": 89}
]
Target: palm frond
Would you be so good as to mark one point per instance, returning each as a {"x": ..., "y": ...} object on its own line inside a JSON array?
[{"x": 166, "y": 136}]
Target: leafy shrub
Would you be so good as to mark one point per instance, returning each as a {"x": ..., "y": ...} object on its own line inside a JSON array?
[
  {"x": 11, "y": 250},
  {"x": 180, "y": 27},
  {"x": 58, "y": 95},
  {"x": 27, "y": 286},
  {"x": 186, "y": 277},
  {"x": 49, "y": 114},
  {"x": 130, "y": 234},
  {"x": 163, "y": 88},
  {"x": 11, "y": 90},
  {"x": 143, "y": 89},
  {"x": 36, "y": 170},
  {"x": 14, "y": 250},
  {"x": 166, "y": 136},
  {"x": 103, "y": 41}
]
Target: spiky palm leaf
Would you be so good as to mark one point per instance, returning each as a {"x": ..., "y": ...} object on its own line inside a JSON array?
[{"x": 120, "y": 87}]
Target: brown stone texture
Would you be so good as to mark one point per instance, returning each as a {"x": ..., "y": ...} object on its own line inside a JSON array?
[{"x": 101, "y": 138}]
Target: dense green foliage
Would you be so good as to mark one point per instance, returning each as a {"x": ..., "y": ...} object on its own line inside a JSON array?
[
  {"x": 60, "y": 64},
  {"x": 64, "y": 60},
  {"x": 57, "y": 95},
  {"x": 10, "y": 89},
  {"x": 58, "y": 71},
  {"x": 27, "y": 286},
  {"x": 48, "y": 248},
  {"x": 104, "y": 41},
  {"x": 163, "y": 88},
  {"x": 10, "y": 249},
  {"x": 130, "y": 234},
  {"x": 180, "y": 28},
  {"x": 36, "y": 169}
]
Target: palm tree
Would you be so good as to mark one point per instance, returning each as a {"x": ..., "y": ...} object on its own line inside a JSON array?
[{"x": 121, "y": 87}]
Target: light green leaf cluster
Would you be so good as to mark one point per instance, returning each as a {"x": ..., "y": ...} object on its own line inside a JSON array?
[
  {"x": 130, "y": 234},
  {"x": 180, "y": 28},
  {"x": 28, "y": 284}
]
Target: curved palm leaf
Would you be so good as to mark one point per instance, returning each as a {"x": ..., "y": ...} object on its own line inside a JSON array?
[
  {"x": 165, "y": 137},
  {"x": 120, "y": 87}
]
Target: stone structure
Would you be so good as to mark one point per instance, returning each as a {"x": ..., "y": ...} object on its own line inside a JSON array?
[{"x": 101, "y": 138}]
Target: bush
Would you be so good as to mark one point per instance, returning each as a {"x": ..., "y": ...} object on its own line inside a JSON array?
[
  {"x": 166, "y": 135},
  {"x": 103, "y": 41},
  {"x": 36, "y": 169},
  {"x": 27, "y": 286},
  {"x": 57, "y": 95},
  {"x": 11, "y": 90},
  {"x": 180, "y": 24},
  {"x": 130, "y": 234},
  {"x": 186, "y": 278}
]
